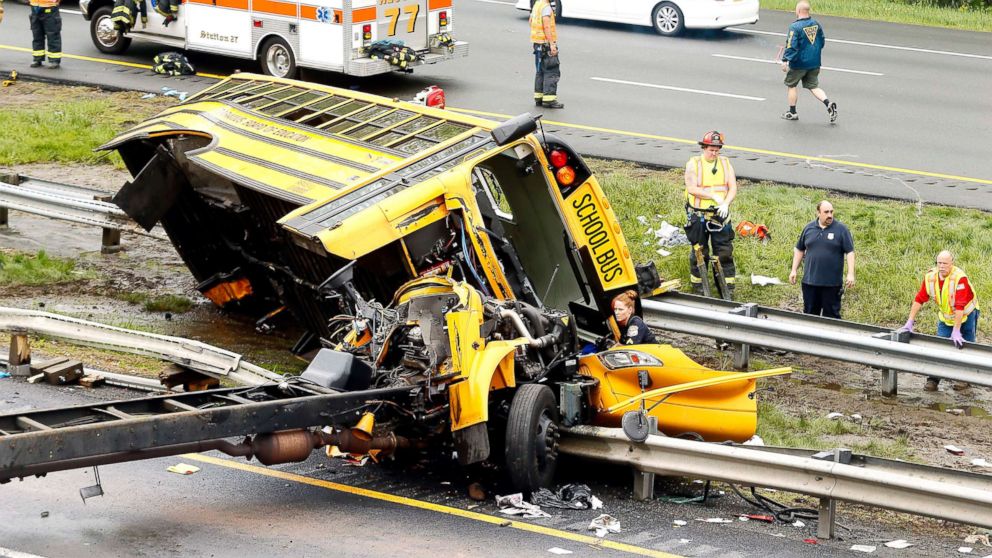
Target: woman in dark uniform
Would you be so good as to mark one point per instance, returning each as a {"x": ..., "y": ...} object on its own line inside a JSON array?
[{"x": 633, "y": 330}]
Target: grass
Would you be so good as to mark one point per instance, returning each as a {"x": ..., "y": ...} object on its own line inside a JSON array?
[
  {"x": 165, "y": 303},
  {"x": 778, "y": 428},
  {"x": 894, "y": 246},
  {"x": 895, "y": 11},
  {"x": 45, "y": 124},
  {"x": 35, "y": 269}
]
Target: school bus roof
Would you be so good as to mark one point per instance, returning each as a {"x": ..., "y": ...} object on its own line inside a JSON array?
[{"x": 305, "y": 143}]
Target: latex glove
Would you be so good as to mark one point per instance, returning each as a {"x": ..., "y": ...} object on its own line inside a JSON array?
[
  {"x": 956, "y": 337},
  {"x": 723, "y": 210},
  {"x": 908, "y": 326}
]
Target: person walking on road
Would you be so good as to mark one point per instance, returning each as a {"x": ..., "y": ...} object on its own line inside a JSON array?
[
  {"x": 710, "y": 188},
  {"x": 824, "y": 244},
  {"x": 46, "y": 27},
  {"x": 801, "y": 61},
  {"x": 544, "y": 36},
  {"x": 958, "y": 312}
]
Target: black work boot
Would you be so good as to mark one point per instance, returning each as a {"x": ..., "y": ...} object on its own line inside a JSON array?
[
  {"x": 537, "y": 102},
  {"x": 55, "y": 65},
  {"x": 36, "y": 63},
  {"x": 553, "y": 104}
]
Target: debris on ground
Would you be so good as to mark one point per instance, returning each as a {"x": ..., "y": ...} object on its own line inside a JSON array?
[
  {"x": 798, "y": 524},
  {"x": 514, "y": 504},
  {"x": 835, "y": 416},
  {"x": 714, "y": 520},
  {"x": 604, "y": 524},
  {"x": 981, "y": 462},
  {"x": 972, "y": 539},
  {"x": 679, "y": 522},
  {"x": 44, "y": 514},
  {"x": 754, "y": 441},
  {"x": 569, "y": 497},
  {"x": 182, "y": 469},
  {"x": 148, "y": 96},
  {"x": 965, "y": 549},
  {"x": 760, "y": 517},
  {"x": 682, "y": 499},
  {"x": 762, "y": 280},
  {"x": 863, "y": 548},
  {"x": 4, "y": 375},
  {"x": 899, "y": 543},
  {"x": 170, "y": 92},
  {"x": 954, "y": 450},
  {"x": 559, "y": 551},
  {"x": 476, "y": 492},
  {"x": 663, "y": 253},
  {"x": 811, "y": 541}
]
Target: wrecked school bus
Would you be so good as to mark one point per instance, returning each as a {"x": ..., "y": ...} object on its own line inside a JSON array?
[{"x": 442, "y": 264}]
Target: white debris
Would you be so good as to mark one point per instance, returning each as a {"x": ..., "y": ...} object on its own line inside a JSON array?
[
  {"x": 981, "y": 462},
  {"x": 754, "y": 441},
  {"x": 798, "y": 524},
  {"x": 514, "y": 504},
  {"x": 595, "y": 502},
  {"x": 182, "y": 469},
  {"x": 685, "y": 541},
  {"x": 604, "y": 524},
  {"x": 679, "y": 523},
  {"x": 899, "y": 543},
  {"x": 863, "y": 548},
  {"x": 954, "y": 449},
  {"x": 965, "y": 549},
  {"x": 762, "y": 280},
  {"x": 714, "y": 520},
  {"x": 856, "y": 417},
  {"x": 559, "y": 551},
  {"x": 642, "y": 220},
  {"x": 835, "y": 416},
  {"x": 972, "y": 539},
  {"x": 663, "y": 253}
]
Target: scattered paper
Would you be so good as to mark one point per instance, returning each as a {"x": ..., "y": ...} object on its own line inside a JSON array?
[
  {"x": 972, "y": 539},
  {"x": 754, "y": 441},
  {"x": 856, "y": 417},
  {"x": 835, "y": 416},
  {"x": 863, "y": 548},
  {"x": 899, "y": 543},
  {"x": 981, "y": 462},
  {"x": 514, "y": 504},
  {"x": 679, "y": 523},
  {"x": 761, "y": 280},
  {"x": 569, "y": 497},
  {"x": 954, "y": 449},
  {"x": 596, "y": 503},
  {"x": 965, "y": 549},
  {"x": 642, "y": 220},
  {"x": 559, "y": 551},
  {"x": 714, "y": 520},
  {"x": 604, "y": 524},
  {"x": 182, "y": 469},
  {"x": 663, "y": 253},
  {"x": 798, "y": 524},
  {"x": 148, "y": 96}
]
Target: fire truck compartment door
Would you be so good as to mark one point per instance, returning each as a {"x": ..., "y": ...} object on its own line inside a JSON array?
[
  {"x": 404, "y": 20},
  {"x": 218, "y": 29}
]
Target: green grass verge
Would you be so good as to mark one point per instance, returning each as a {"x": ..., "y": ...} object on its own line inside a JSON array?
[
  {"x": 166, "y": 303},
  {"x": 895, "y": 11},
  {"x": 894, "y": 246},
  {"x": 51, "y": 124},
  {"x": 35, "y": 269}
]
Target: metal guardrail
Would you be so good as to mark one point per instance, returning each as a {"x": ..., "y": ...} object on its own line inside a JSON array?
[
  {"x": 195, "y": 355},
  {"x": 68, "y": 203},
  {"x": 750, "y": 324},
  {"x": 895, "y": 485}
]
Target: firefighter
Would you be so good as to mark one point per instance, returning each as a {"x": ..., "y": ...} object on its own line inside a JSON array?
[
  {"x": 710, "y": 188},
  {"x": 544, "y": 36},
  {"x": 168, "y": 9},
  {"x": 46, "y": 27},
  {"x": 126, "y": 12}
]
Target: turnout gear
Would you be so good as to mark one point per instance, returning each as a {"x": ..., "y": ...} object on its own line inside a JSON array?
[
  {"x": 712, "y": 178},
  {"x": 125, "y": 14},
  {"x": 547, "y": 66},
  {"x": 172, "y": 64},
  {"x": 169, "y": 9},
  {"x": 46, "y": 32},
  {"x": 537, "y": 34},
  {"x": 713, "y": 138},
  {"x": 394, "y": 52},
  {"x": 945, "y": 294}
]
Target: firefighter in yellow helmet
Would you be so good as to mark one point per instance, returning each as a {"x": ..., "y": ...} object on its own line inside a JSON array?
[
  {"x": 544, "y": 36},
  {"x": 710, "y": 188}
]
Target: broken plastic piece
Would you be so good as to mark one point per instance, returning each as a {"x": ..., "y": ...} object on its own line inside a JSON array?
[
  {"x": 981, "y": 462},
  {"x": 863, "y": 548},
  {"x": 835, "y": 416},
  {"x": 679, "y": 523},
  {"x": 954, "y": 450},
  {"x": 798, "y": 524},
  {"x": 760, "y": 517},
  {"x": 714, "y": 520},
  {"x": 899, "y": 543},
  {"x": 183, "y": 469},
  {"x": 762, "y": 280},
  {"x": 605, "y": 524},
  {"x": 965, "y": 549}
]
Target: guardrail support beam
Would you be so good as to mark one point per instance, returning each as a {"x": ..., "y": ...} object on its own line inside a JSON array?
[
  {"x": 19, "y": 357},
  {"x": 825, "y": 522},
  {"x": 111, "y": 241},
  {"x": 643, "y": 485},
  {"x": 890, "y": 378},
  {"x": 742, "y": 351},
  {"x": 4, "y": 219}
]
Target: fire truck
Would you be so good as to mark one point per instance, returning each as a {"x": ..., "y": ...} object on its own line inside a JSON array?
[{"x": 284, "y": 36}]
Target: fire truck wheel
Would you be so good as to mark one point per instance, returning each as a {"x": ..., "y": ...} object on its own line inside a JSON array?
[
  {"x": 277, "y": 58},
  {"x": 107, "y": 38},
  {"x": 532, "y": 438}
]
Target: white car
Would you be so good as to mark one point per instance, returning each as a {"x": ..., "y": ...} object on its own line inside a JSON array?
[{"x": 668, "y": 17}]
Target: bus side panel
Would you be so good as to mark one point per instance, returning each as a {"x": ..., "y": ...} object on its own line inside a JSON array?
[{"x": 225, "y": 30}]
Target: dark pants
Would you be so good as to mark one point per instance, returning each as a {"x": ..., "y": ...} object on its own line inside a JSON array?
[
  {"x": 822, "y": 301},
  {"x": 969, "y": 331},
  {"x": 548, "y": 72},
  {"x": 46, "y": 24},
  {"x": 723, "y": 247}
]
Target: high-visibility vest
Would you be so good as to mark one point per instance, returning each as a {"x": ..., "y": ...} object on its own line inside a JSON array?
[
  {"x": 537, "y": 23},
  {"x": 45, "y": 3},
  {"x": 944, "y": 296},
  {"x": 708, "y": 180}
]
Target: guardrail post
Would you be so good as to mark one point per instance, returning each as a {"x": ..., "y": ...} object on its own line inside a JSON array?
[
  {"x": 19, "y": 357},
  {"x": 4, "y": 219},
  {"x": 643, "y": 485},
  {"x": 742, "y": 351},
  {"x": 111, "y": 241},
  {"x": 826, "y": 519},
  {"x": 890, "y": 378}
]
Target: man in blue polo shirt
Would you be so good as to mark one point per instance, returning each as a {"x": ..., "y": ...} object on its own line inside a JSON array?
[{"x": 824, "y": 244}]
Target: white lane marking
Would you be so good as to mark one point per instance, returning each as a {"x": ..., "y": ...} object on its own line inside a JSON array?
[
  {"x": 8, "y": 553},
  {"x": 77, "y": 12},
  {"x": 777, "y": 62},
  {"x": 672, "y": 88},
  {"x": 876, "y": 45}
]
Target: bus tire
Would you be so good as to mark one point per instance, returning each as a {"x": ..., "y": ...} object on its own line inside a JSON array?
[
  {"x": 276, "y": 58},
  {"x": 532, "y": 438},
  {"x": 105, "y": 37}
]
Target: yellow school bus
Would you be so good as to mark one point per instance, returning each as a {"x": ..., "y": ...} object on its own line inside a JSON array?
[{"x": 421, "y": 247}]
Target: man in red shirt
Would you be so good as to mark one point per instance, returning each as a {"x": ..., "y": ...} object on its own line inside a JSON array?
[{"x": 957, "y": 309}]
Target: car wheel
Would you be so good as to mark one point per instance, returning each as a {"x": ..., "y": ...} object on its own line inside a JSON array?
[
  {"x": 668, "y": 19},
  {"x": 105, "y": 36},
  {"x": 277, "y": 58},
  {"x": 532, "y": 438}
]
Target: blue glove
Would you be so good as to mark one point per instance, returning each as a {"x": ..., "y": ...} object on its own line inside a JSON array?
[{"x": 956, "y": 337}]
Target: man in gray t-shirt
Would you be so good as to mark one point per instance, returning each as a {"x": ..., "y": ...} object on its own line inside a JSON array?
[{"x": 824, "y": 244}]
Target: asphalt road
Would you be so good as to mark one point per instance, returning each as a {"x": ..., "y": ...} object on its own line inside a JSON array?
[
  {"x": 915, "y": 122},
  {"x": 320, "y": 508}
]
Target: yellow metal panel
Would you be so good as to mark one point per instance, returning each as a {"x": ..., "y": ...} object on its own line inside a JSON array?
[
  {"x": 592, "y": 222},
  {"x": 492, "y": 367},
  {"x": 262, "y": 173}
]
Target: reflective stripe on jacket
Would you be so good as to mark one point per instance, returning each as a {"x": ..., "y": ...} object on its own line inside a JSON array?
[
  {"x": 537, "y": 23},
  {"x": 944, "y": 296},
  {"x": 708, "y": 180}
]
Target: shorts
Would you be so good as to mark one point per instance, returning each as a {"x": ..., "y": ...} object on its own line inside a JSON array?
[{"x": 810, "y": 78}]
